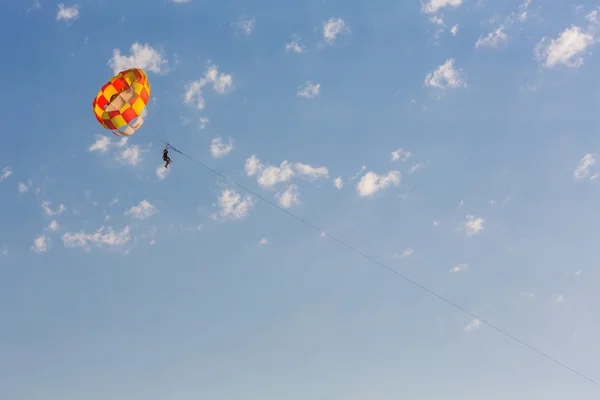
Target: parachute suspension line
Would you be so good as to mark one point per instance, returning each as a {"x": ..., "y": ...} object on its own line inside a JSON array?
[{"x": 389, "y": 269}]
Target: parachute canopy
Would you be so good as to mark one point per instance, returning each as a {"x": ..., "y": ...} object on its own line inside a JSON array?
[{"x": 118, "y": 106}]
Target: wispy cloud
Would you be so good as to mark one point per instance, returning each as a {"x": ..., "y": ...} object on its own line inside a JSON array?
[
  {"x": 473, "y": 225},
  {"x": 338, "y": 182},
  {"x": 445, "y": 77},
  {"x": 473, "y": 325},
  {"x": 294, "y": 46},
  {"x": 5, "y": 173},
  {"x": 568, "y": 49},
  {"x": 233, "y": 205},
  {"x": 333, "y": 28},
  {"x": 131, "y": 155},
  {"x": 371, "y": 183},
  {"x": 141, "y": 56},
  {"x": 408, "y": 252},
  {"x": 219, "y": 149},
  {"x": 221, "y": 83},
  {"x": 432, "y": 6},
  {"x": 24, "y": 187},
  {"x": 51, "y": 212},
  {"x": 459, "y": 268},
  {"x": 105, "y": 236},
  {"x": 400, "y": 155},
  {"x": 245, "y": 26},
  {"x": 290, "y": 197},
  {"x": 309, "y": 90},
  {"x": 143, "y": 210},
  {"x": 41, "y": 244},
  {"x": 65, "y": 13},
  {"x": 311, "y": 172},
  {"x": 493, "y": 39},
  {"x": 583, "y": 169}
]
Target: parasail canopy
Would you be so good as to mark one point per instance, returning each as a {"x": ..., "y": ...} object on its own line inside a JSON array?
[{"x": 120, "y": 103}]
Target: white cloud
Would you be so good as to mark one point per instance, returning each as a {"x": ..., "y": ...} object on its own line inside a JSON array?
[
  {"x": 493, "y": 39},
  {"x": 272, "y": 175},
  {"x": 162, "y": 172},
  {"x": 103, "y": 236},
  {"x": 558, "y": 298},
  {"x": 400, "y": 155},
  {"x": 312, "y": 172},
  {"x": 592, "y": 18},
  {"x": 568, "y": 49},
  {"x": 475, "y": 324},
  {"x": 5, "y": 250},
  {"x": 219, "y": 149},
  {"x": 459, "y": 268},
  {"x": 54, "y": 226},
  {"x": 437, "y": 222},
  {"x": 24, "y": 187},
  {"x": 408, "y": 252},
  {"x": 40, "y": 244},
  {"x": 132, "y": 155},
  {"x": 309, "y": 90},
  {"x": 49, "y": 211},
  {"x": 529, "y": 295},
  {"x": 416, "y": 167},
  {"x": 437, "y": 20},
  {"x": 362, "y": 169},
  {"x": 101, "y": 144},
  {"x": 294, "y": 46},
  {"x": 522, "y": 13},
  {"x": 67, "y": 13},
  {"x": 338, "y": 183},
  {"x": 221, "y": 83},
  {"x": 473, "y": 225},
  {"x": 332, "y": 28},
  {"x": 36, "y": 6},
  {"x": 454, "y": 30},
  {"x": 290, "y": 197},
  {"x": 245, "y": 26},
  {"x": 142, "y": 56},
  {"x": 269, "y": 175},
  {"x": 6, "y": 172},
  {"x": 263, "y": 241},
  {"x": 203, "y": 122},
  {"x": 583, "y": 169},
  {"x": 253, "y": 165},
  {"x": 445, "y": 76},
  {"x": 180, "y": 1},
  {"x": 370, "y": 183},
  {"x": 233, "y": 205},
  {"x": 432, "y": 6},
  {"x": 142, "y": 211}
]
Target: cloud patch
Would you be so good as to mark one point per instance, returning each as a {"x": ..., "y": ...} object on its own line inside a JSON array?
[
  {"x": 569, "y": 48},
  {"x": 333, "y": 28},
  {"x": 445, "y": 77},
  {"x": 233, "y": 205},
  {"x": 371, "y": 183},
  {"x": 141, "y": 56},
  {"x": 105, "y": 236},
  {"x": 220, "y": 149},
  {"x": 143, "y": 210},
  {"x": 221, "y": 83},
  {"x": 65, "y": 13}
]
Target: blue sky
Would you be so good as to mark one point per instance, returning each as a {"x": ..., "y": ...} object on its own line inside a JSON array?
[{"x": 453, "y": 140}]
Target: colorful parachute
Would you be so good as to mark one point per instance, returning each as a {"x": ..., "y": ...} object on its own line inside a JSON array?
[{"x": 120, "y": 103}]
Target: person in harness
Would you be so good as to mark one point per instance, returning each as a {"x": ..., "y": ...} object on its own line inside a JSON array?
[{"x": 166, "y": 157}]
